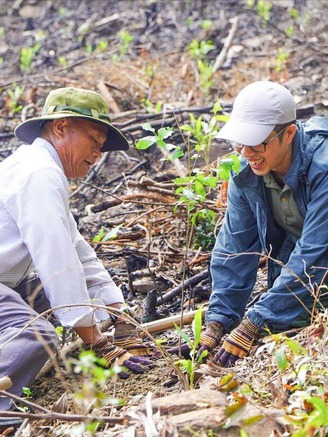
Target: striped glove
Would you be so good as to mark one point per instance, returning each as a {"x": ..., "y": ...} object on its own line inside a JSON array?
[
  {"x": 112, "y": 354},
  {"x": 211, "y": 337},
  {"x": 126, "y": 337},
  {"x": 237, "y": 344}
]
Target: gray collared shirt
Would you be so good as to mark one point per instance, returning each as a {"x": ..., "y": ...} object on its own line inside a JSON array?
[{"x": 285, "y": 211}]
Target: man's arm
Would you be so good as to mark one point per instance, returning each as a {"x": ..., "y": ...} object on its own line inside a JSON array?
[
  {"x": 306, "y": 268},
  {"x": 234, "y": 261}
]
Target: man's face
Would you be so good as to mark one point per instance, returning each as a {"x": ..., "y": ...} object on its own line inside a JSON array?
[
  {"x": 276, "y": 158},
  {"x": 80, "y": 145}
]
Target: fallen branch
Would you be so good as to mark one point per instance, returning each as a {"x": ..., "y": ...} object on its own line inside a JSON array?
[
  {"x": 169, "y": 322},
  {"x": 222, "y": 56},
  {"x": 188, "y": 283}
]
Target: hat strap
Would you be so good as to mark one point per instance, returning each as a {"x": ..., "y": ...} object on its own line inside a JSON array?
[{"x": 82, "y": 111}]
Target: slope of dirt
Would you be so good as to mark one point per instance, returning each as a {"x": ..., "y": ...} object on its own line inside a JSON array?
[{"x": 77, "y": 43}]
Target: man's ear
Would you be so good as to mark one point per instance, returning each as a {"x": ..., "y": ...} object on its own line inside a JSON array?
[
  {"x": 59, "y": 127},
  {"x": 290, "y": 133}
]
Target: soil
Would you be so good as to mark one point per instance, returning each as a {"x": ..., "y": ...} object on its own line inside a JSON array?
[{"x": 149, "y": 253}]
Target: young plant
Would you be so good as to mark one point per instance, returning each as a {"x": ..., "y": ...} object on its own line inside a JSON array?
[
  {"x": 202, "y": 133},
  {"x": 189, "y": 365},
  {"x": 150, "y": 107},
  {"x": 27, "y": 56},
  {"x": 94, "y": 377},
  {"x": 102, "y": 237},
  {"x": 125, "y": 40},
  {"x": 263, "y": 10},
  {"x": 199, "y": 50},
  {"x": 282, "y": 58},
  {"x": 14, "y": 95},
  {"x": 159, "y": 138}
]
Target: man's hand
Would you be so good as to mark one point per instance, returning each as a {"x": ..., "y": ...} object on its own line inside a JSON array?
[
  {"x": 112, "y": 354},
  {"x": 126, "y": 337},
  {"x": 209, "y": 339},
  {"x": 237, "y": 344}
]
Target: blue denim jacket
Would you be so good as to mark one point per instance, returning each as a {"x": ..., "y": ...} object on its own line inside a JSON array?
[{"x": 295, "y": 267}]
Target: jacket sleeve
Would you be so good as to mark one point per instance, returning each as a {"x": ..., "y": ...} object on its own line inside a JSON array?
[
  {"x": 41, "y": 211},
  {"x": 234, "y": 261},
  {"x": 293, "y": 290}
]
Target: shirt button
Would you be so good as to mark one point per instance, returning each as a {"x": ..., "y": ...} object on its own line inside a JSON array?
[{"x": 283, "y": 199}]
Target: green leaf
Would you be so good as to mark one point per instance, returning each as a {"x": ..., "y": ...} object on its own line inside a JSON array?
[
  {"x": 178, "y": 154},
  {"x": 112, "y": 233},
  {"x": 148, "y": 127},
  {"x": 183, "y": 335},
  {"x": 223, "y": 174},
  {"x": 252, "y": 420},
  {"x": 197, "y": 325},
  {"x": 217, "y": 106},
  {"x": 281, "y": 359},
  {"x": 296, "y": 347},
  {"x": 164, "y": 132},
  {"x": 26, "y": 391},
  {"x": 99, "y": 236},
  {"x": 145, "y": 142}
]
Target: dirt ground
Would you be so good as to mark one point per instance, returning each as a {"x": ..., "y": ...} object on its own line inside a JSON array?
[{"x": 77, "y": 43}]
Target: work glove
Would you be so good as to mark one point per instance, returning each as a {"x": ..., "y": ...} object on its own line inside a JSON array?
[
  {"x": 237, "y": 344},
  {"x": 126, "y": 337},
  {"x": 112, "y": 354},
  {"x": 209, "y": 339}
]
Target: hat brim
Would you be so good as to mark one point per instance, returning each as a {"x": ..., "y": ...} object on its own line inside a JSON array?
[
  {"x": 29, "y": 130},
  {"x": 249, "y": 134}
]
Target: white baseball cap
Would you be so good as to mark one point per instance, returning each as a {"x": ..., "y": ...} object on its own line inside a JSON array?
[{"x": 257, "y": 109}]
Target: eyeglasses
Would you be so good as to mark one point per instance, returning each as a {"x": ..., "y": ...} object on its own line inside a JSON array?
[{"x": 261, "y": 148}]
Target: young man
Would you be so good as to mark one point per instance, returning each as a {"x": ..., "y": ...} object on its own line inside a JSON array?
[
  {"x": 44, "y": 260},
  {"x": 277, "y": 206}
]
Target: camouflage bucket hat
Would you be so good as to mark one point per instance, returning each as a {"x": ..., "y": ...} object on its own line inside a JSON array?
[{"x": 73, "y": 102}]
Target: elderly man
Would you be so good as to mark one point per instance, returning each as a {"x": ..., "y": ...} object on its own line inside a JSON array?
[
  {"x": 44, "y": 260},
  {"x": 277, "y": 206}
]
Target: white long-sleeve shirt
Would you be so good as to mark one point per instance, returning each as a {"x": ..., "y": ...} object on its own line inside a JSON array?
[{"x": 38, "y": 232}]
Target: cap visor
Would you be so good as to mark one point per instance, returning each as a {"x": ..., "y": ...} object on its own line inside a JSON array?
[{"x": 249, "y": 134}]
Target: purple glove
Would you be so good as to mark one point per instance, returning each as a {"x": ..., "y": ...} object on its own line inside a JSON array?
[{"x": 237, "y": 344}]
